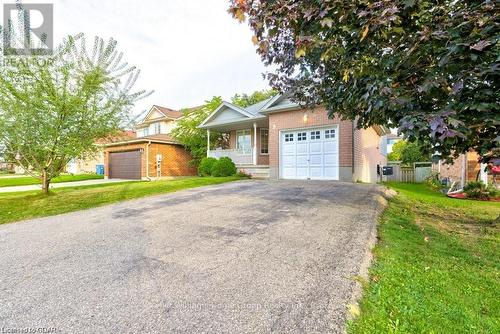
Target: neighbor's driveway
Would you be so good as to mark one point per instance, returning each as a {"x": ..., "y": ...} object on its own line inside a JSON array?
[{"x": 244, "y": 257}]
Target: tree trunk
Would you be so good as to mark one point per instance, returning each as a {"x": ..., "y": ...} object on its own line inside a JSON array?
[{"x": 45, "y": 182}]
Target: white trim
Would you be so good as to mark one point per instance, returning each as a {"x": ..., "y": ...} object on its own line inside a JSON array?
[
  {"x": 236, "y": 140},
  {"x": 230, "y": 106},
  {"x": 254, "y": 155},
  {"x": 260, "y": 140}
]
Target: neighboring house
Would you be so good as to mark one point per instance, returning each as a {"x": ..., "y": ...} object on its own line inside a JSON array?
[
  {"x": 90, "y": 163},
  {"x": 391, "y": 139},
  {"x": 152, "y": 154},
  {"x": 466, "y": 165},
  {"x": 276, "y": 138}
]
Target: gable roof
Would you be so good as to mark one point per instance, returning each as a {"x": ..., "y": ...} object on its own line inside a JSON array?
[
  {"x": 245, "y": 113},
  {"x": 166, "y": 112}
]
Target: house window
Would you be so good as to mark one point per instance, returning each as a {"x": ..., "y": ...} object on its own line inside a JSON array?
[
  {"x": 243, "y": 141},
  {"x": 157, "y": 128},
  {"x": 288, "y": 137},
  {"x": 330, "y": 134},
  {"x": 302, "y": 136},
  {"x": 145, "y": 132},
  {"x": 315, "y": 135},
  {"x": 264, "y": 141}
]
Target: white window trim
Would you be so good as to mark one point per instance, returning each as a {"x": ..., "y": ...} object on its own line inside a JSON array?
[
  {"x": 260, "y": 148},
  {"x": 243, "y": 131}
]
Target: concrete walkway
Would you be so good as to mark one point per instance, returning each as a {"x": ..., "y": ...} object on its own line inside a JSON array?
[{"x": 60, "y": 185}]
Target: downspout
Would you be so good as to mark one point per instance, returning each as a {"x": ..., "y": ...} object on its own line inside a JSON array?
[
  {"x": 147, "y": 160},
  {"x": 352, "y": 151}
]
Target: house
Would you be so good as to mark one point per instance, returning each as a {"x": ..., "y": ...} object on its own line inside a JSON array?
[
  {"x": 465, "y": 168},
  {"x": 391, "y": 139},
  {"x": 152, "y": 154},
  {"x": 91, "y": 163},
  {"x": 279, "y": 139}
]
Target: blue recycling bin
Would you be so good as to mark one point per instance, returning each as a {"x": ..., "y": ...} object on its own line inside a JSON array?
[{"x": 99, "y": 169}]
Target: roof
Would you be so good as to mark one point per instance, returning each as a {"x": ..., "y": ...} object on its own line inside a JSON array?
[
  {"x": 121, "y": 136},
  {"x": 159, "y": 138},
  {"x": 170, "y": 113}
]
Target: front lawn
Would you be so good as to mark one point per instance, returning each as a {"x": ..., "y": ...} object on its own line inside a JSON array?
[
  {"x": 28, "y": 180},
  {"x": 26, "y": 205},
  {"x": 437, "y": 266}
]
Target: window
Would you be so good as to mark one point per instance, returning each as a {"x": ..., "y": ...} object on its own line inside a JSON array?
[
  {"x": 330, "y": 134},
  {"x": 302, "y": 136},
  {"x": 264, "y": 141},
  {"x": 315, "y": 135},
  {"x": 157, "y": 128},
  {"x": 243, "y": 142},
  {"x": 145, "y": 132},
  {"x": 288, "y": 137}
]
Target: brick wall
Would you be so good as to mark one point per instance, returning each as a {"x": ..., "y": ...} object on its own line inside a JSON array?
[
  {"x": 367, "y": 155},
  {"x": 175, "y": 160}
]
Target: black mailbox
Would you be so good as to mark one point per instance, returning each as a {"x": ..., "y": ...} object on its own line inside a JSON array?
[{"x": 387, "y": 170}]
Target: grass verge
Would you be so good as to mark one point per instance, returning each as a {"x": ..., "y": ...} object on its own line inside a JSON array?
[
  {"x": 28, "y": 180},
  {"x": 436, "y": 269},
  {"x": 26, "y": 205}
]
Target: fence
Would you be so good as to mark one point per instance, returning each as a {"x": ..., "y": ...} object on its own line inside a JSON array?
[{"x": 416, "y": 173}]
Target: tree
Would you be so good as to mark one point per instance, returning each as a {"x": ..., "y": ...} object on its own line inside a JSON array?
[
  {"x": 245, "y": 100},
  {"x": 407, "y": 152},
  {"x": 195, "y": 139},
  {"x": 430, "y": 68},
  {"x": 52, "y": 110}
]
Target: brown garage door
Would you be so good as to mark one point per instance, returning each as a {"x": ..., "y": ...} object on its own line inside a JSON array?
[{"x": 125, "y": 165}]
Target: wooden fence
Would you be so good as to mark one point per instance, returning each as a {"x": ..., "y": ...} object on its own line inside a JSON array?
[{"x": 416, "y": 173}]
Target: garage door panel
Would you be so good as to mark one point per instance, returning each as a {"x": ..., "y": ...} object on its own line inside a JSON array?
[
  {"x": 289, "y": 149},
  {"x": 125, "y": 165},
  {"x": 315, "y": 148},
  {"x": 314, "y": 154},
  {"x": 330, "y": 147},
  {"x": 316, "y": 160},
  {"x": 331, "y": 159},
  {"x": 302, "y": 148}
]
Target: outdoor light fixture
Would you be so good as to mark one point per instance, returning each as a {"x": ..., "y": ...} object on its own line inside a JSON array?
[{"x": 305, "y": 117}]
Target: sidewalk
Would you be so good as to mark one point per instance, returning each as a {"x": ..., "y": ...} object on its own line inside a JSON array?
[{"x": 60, "y": 185}]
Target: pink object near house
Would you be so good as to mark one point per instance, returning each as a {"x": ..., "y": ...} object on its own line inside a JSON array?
[{"x": 278, "y": 139}]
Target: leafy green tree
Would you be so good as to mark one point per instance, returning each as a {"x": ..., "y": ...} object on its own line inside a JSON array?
[
  {"x": 53, "y": 109},
  {"x": 397, "y": 150},
  {"x": 195, "y": 139},
  {"x": 245, "y": 100},
  {"x": 408, "y": 153},
  {"x": 429, "y": 67}
]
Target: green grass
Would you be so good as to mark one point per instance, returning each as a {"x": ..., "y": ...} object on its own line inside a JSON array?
[
  {"x": 26, "y": 205},
  {"x": 436, "y": 269},
  {"x": 28, "y": 180}
]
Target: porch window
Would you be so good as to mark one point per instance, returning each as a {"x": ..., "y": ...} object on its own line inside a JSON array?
[
  {"x": 157, "y": 127},
  {"x": 243, "y": 142},
  {"x": 264, "y": 141}
]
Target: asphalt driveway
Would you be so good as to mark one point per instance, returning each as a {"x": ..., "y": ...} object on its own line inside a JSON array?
[{"x": 243, "y": 257}]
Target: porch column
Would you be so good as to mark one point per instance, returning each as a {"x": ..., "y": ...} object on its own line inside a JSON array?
[
  {"x": 255, "y": 144},
  {"x": 208, "y": 143},
  {"x": 484, "y": 174}
]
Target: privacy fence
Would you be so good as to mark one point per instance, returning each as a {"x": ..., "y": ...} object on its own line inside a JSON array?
[{"x": 417, "y": 172}]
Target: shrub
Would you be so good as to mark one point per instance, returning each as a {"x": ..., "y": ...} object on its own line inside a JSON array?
[
  {"x": 477, "y": 190},
  {"x": 206, "y": 165},
  {"x": 433, "y": 181},
  {"x": 224, "y": 167}
]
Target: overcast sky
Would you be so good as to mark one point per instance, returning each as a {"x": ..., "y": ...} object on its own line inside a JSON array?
[{"x": 187, "y": 50}]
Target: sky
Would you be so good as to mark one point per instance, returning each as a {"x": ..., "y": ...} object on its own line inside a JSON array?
[{"x": 187, "y": 50}]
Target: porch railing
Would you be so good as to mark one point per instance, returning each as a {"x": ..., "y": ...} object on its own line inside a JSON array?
[{"x": 238, "y": 156}]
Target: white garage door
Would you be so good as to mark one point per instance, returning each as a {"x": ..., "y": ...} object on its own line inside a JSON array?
[{"x": 310, "y": 154}]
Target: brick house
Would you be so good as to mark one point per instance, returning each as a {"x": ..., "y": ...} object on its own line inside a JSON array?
[
  {"x": 152, "y": 154},
  {"x": 278, "y": 139}
]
